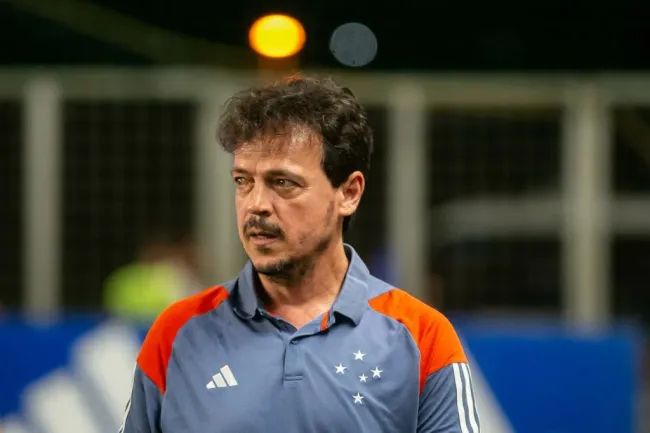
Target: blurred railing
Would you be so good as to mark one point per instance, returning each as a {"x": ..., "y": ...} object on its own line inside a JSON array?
[{"x": 583, "y": 211}]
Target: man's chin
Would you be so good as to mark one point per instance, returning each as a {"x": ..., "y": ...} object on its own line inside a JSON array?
[{"x": 271, "y": 267}]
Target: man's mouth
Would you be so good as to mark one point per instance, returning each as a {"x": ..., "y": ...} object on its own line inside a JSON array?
[
  {"x": 262, "y": 239},
  {"x": 261, "y": 235}
]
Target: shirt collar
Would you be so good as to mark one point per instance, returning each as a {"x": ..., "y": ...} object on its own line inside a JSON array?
[
  {"x": 245, "y": 297},
  {"x": 351, "y": 301}
]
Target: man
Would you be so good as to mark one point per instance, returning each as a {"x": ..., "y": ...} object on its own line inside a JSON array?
[{"x": 304, "y": 339}]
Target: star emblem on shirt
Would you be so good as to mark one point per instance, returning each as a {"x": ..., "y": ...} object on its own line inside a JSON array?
[
  {"x": 363, "y": 378},
  {"x": 357, "y": 398},
  {"x": 358, "y": 355},
  {"x": 340, "y": 369},
  {"x": 376, "y": 373}
]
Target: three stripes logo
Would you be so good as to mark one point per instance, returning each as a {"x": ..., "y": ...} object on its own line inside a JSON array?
[{"x": 223, "y": 379}]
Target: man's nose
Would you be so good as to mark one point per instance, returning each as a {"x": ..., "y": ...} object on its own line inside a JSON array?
[{"x": 259, "y": 201}]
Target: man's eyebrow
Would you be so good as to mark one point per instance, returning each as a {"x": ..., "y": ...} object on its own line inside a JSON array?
[
  {"x": 238, "y": 170},
  {"x": 282, "y": 173},
  {"x": 278, "y": 172},
  {"x": 286, "y": 174}
]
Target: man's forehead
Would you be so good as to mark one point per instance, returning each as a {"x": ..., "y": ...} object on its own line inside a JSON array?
[{"x": 298, "y": 146}]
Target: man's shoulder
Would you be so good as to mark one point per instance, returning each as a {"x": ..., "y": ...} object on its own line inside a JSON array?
[
  {"x": 180, "y": 312},
  {"x": 399, "y": 304},
  {"x": 157, "y": 347},
  {"x": 430, "y": 329}
]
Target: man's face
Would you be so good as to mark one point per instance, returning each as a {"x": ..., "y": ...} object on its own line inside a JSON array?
[{"x": 288, "y": 213}]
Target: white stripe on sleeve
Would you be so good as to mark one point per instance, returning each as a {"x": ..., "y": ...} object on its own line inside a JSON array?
[
  {"x": 459, "y": 399},
  {"x": 471, "y": 404}
]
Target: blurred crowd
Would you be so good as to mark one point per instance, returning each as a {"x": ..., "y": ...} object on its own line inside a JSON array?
[{"x": 164, "y": 269}]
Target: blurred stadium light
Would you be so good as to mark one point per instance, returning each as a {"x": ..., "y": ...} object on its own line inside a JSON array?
[
  {"x": 277, "y": 36},
  {"x": 353, "y": 44}
]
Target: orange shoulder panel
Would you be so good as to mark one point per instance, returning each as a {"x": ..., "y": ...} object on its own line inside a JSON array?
[
  {"x": 433, "y": 333},
  {"x": 157, "y": 347}
]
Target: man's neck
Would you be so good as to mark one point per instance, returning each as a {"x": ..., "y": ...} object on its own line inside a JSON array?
[{"x": 314, "y": 293}]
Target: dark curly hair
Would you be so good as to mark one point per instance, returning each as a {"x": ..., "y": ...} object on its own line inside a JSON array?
[{"x": 319, "y": 104}]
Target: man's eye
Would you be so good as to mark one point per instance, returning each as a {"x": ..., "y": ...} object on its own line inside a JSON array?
[
  {"x": 240, "y": 180},
  {"x": 284, "y": 183}
]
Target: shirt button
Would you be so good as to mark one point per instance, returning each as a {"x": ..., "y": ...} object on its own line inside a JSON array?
[{"x": 294, "y": 341}]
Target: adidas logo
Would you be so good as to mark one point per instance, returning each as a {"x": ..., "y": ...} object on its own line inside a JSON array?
[{"x": 223, "y": 379}]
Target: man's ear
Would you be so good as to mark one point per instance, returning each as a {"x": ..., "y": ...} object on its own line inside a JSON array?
[{"x": 350, "y": 193}]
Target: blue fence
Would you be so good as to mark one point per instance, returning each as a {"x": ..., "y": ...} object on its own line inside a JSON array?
[{"x": 539, "y": 376}]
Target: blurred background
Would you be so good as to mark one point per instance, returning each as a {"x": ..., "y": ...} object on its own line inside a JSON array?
[{"x": 510, "y": 188}]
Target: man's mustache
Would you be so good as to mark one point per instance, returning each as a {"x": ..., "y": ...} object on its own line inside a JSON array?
[{"x": 260, "y": 225}]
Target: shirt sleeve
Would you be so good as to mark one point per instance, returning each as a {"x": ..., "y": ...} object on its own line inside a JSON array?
[
  {"x": 143, "y": 408},
  {"x": 447, "y": 403}
]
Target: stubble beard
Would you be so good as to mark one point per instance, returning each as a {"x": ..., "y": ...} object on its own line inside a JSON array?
[{"x": 291, "y": 270}]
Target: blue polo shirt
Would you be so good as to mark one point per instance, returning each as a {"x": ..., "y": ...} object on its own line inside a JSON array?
[{"x": 378, "y": 361}]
